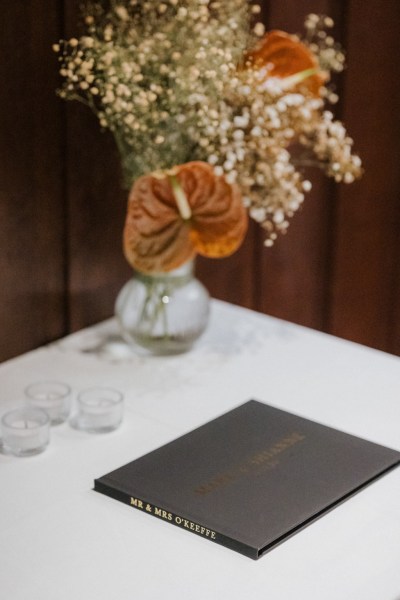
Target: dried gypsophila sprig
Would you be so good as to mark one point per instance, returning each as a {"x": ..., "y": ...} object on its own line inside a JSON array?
[
  {"x": 169, "y": 98},
  {"x": 329, "y": 52},
  {"x": 251, "y": 145},
  {"x": 147, "y": 68},
  {"x": 251, "y": 148}
]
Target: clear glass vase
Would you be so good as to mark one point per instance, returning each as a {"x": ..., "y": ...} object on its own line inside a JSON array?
[{"x": 163, "y": 312}]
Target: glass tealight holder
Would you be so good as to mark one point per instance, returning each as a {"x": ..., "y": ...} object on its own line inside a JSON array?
[
  {"x": 99, "y": 410},
  {"x": 51, "y": 396},
  {"x": 25, "y": 431}
]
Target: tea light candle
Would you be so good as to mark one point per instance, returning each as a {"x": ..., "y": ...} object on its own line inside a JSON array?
[
  {"x": 25, "y": 431},
  {"x": 52, "y": 397},
  {"x": 100, "y": 410}
]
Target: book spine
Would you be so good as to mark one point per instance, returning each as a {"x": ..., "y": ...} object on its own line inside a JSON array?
[{"x": 174, "y": 519}]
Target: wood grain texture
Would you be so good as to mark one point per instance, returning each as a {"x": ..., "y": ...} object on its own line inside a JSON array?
[
  {"x": 293, "y": 275},
  {"x": 96, "y": 205},
  {"x": 96, "y": 213},
  {"x": 32, "y": 290},
  {"x": 232, "y": 279},
  {"x": 394, "y": 317},
  {"x": 366, "y": 253}
]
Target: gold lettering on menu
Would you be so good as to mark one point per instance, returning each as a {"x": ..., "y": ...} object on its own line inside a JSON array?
[
  {"x": 266, "y": 459},
  {"x": 137, "y": 503},
  {"x": 164, "y": 514},
  {"x": 159, "y": 512},
  {"x": 195, "y": 527}
]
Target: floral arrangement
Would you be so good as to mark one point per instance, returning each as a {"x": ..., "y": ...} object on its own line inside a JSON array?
[{"x": 214, "y": 119}]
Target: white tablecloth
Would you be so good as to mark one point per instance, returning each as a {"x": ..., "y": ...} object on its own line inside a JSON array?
[{"x": 59, "y": 540}]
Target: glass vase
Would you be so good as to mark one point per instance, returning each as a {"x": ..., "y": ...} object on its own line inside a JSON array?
[{"x": 163, "y": 312}]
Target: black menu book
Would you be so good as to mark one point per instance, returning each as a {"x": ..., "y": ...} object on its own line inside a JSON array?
[{"x": 250, "y": 478}]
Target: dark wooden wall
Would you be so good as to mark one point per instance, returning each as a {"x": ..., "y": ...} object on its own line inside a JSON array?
[{"x": 62, "y": 207}]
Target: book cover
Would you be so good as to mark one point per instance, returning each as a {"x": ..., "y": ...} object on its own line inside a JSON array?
[{"x": 250, "y": 478}]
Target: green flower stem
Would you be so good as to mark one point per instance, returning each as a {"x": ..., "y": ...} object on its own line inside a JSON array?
[{"x": 153, "y": 308}]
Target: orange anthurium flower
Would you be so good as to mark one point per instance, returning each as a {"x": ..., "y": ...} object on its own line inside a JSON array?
[
  {"x": 283, "y": 56},
  {"x": 174, "y": 215}
]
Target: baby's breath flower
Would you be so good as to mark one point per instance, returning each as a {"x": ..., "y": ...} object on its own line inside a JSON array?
[
  {"x": 164, "y": 78},
  {"x": 122, "y": 12},
  {"x": 259, "y": 29}
]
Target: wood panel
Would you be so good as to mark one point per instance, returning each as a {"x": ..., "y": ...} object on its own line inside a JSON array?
[
  {"x": 394, "y": 317},
  {"x": 293, "y": 275},
  {"x": 32, "y": 288},
  {"x": 233, "y": 278},
  {"x": 96, "y": 211},
  {"x": 367, "y": 224}
]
